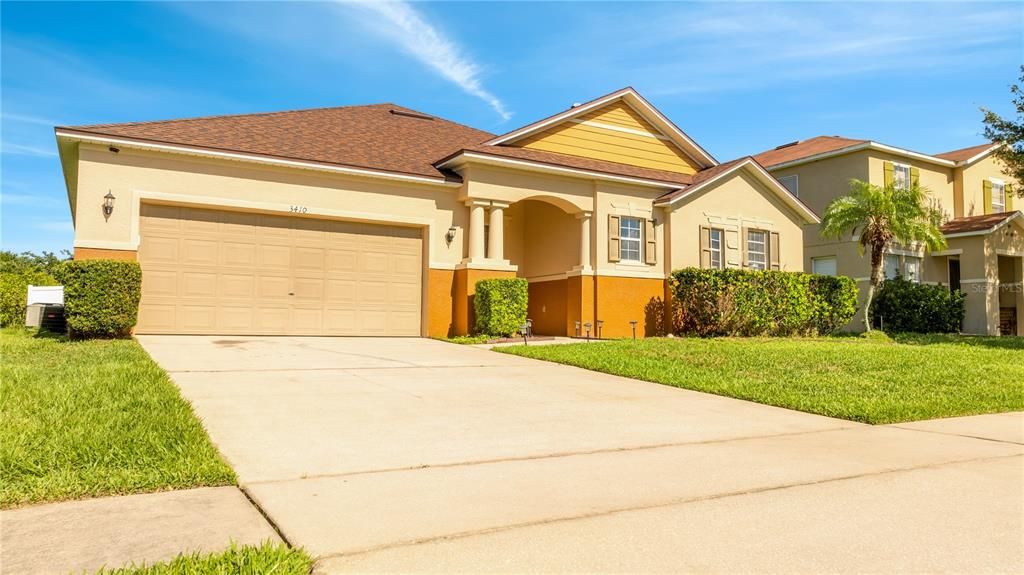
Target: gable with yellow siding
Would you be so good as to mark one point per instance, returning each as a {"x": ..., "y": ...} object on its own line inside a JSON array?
[{"x": 614, "y": 133}]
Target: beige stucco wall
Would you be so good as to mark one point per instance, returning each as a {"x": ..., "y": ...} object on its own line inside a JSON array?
[
  {"x": 970, "y": 180},
  {"x": 134, "y": 176},
  {"x": 620, "y": 200},
  {"x": 739, "y": 201}
]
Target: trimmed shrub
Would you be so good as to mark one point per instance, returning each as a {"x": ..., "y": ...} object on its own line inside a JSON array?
[
  {"x": 14, "y": 293},
  {"x": 835, "y": 302},
  {"x": 500, "y": 306},
  {"x": 101, "y": 297},
  {"x": 753, "y": 303},
  {"x": 904, "y": 306}
]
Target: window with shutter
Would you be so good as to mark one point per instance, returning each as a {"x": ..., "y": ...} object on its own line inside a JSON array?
[
  {"x": 757, "y": 249},
  {"x": 629, "y": 239},
  {"x": 998, "y": 196}
]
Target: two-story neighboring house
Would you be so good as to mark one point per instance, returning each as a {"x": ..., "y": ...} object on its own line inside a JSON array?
[{"x": 985, "y": 254}]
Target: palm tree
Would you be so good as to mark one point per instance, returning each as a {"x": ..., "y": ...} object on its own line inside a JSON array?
[{"x": 882, "y": 216}]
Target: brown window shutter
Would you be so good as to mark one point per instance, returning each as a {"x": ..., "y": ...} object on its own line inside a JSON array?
[
  {"x": 613, "y": 238},
  {"x": 986, "y": 191},
  {"x": 888, "y": 173},
  {"x": 773, "y": 251},
  {"x": 743, "y": 246},
  {"x": 651, "y": 253},
  {"x": 1008, "y": 189},
  {"x": 705, "y": 247}
]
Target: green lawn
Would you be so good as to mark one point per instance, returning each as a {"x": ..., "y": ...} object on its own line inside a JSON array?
[
  {"x": 267, "y": 559},
  {"x": 91, "y": 418},
  {"x": 873, "y": 380}
]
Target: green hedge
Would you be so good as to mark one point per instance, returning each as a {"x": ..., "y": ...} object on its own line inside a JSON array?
[
  {"x": 902, "y": 306},
  {"x": 753, "y": 303},
  {"x": 14, "y": 293},
  {"x": 101, "y": 297},
  {"x": 500, "y": 306}
]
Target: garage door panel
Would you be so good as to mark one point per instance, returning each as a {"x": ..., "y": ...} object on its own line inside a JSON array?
[
  {"x": 198, "y": 285},
  {"x": 220, "y": 272},
  {"x": 159, "y": 283},
  {"x": 159, "y": 249}
]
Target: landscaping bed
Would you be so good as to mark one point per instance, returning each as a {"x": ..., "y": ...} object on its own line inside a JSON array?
[
  {"x": 93, "y": 418},
  {"x": 868, "y": 379}
]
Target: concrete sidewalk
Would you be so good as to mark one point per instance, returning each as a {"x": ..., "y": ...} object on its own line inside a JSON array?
[{"x": 83, "y": 536}]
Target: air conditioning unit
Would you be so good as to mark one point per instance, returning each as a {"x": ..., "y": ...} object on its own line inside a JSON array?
[{"x": 45, "y": 308}]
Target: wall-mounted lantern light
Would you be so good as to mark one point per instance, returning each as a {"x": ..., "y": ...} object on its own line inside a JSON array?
[
  {"x": 450, "y": 236},
  {"x": 108, "y": 204}
]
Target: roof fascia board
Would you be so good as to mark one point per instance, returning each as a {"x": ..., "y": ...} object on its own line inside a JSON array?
[
  {"x": 764, "y": 177},
  {"x": 859, "y": 147},
  {"x": 549, "y": 168},
  {"x": 637, "y": 102},
  {"x": 247, "y": 157}
]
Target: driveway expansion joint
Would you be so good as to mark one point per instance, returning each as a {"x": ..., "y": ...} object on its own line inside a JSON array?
[
  {"x": 936, "y": 432},
  {"x": 659, "y": 505}
]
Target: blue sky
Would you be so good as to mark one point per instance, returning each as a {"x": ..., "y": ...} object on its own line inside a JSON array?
[{"x": 737, "y": 77}]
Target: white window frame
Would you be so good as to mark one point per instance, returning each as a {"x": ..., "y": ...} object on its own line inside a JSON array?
[
  {"x": 918, "y": 264},
  {"x": 901, "y": 172},
  {"x": 791, "y": 183},
  {"x": 628, "y": 242},
  {"x": 999, "y": 206},
  {"x": 717, "y": 235},
  {"x": 763, "y": 252},
  {"x": 885, "y": 267},
  {"x": 814, "y": 265}
]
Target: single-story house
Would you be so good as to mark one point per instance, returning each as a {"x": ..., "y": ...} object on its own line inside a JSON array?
[{"x": 379, "y": 220}]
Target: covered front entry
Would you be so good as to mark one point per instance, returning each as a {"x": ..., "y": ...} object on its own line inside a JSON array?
[{"x": 211, "y": 271}]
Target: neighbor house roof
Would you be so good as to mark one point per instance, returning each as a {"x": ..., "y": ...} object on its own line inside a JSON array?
[
  {"x": 805, "y": 148},
  {"x": 967, "y": 154},
  {"x": 980, "y": 224},
  {"x": 382, "y": 137}
]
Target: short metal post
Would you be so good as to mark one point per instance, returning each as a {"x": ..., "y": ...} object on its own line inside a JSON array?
[{"x": 633, "y": 323}]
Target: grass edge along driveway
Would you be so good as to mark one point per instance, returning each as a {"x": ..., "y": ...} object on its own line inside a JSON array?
[
  {"x": 94, "y": 418},
  {"x": 867, "y": 379},
  {"x": 275, "y": 558}
]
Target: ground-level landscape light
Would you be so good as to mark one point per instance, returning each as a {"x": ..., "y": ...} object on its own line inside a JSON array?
[{"x": 633, "y": 323}]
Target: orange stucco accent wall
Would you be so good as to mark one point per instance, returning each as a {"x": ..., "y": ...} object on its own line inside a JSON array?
[
  {"x": 546, "y": 307},
  {"x": 104, "y": 254},
  {"x": 440, "y": 293},
  {"x": 580, "y": 304},
  {"x": 620, "y": 300},
  {"x": 465, "y": 280}
]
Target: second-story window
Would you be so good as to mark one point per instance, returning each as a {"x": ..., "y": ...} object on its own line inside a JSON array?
[
  {"x": 901, "y": 176},
  {"x": 792, "y": 183},
  {"x": 998, "y": 196},
  {"x": 629, "y": 239}
]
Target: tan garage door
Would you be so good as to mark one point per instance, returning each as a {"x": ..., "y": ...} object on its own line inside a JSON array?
[{"x": 220, "y": 272}]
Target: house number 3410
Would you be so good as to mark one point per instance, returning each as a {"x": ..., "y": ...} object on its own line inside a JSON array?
[{"x": 299, "y": 209}]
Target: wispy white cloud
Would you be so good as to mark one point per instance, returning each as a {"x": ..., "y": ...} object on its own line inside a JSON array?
[
  {"x": 11, "y": 148},
  {"x": 411, "y": 31}
]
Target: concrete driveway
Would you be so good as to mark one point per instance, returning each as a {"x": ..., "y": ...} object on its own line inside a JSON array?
[{"x": 417, "y": 455}]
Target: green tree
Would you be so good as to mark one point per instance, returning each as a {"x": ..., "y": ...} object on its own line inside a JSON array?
[
  {"x": 1010, "y": 133},
  {"x": 882, "y": 216}
]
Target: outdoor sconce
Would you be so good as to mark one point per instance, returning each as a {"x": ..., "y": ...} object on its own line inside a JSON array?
[
  {"x": 449, "y": 237},
  {"x": 108, "y": 204},
  {"x": 633, "y": 323}
]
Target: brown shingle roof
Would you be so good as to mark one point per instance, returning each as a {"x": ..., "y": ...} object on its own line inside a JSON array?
[
  {"x": 379, "y": 137},
  {"x": 964, "y": 153},
  {"x": 579, "y": 163},
  {"x": 979, "y": 223},
  {"x": 805, "y": 148}
]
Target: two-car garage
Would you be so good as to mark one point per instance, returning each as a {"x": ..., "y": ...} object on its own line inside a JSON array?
[{"x": 211, "y": 271}]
